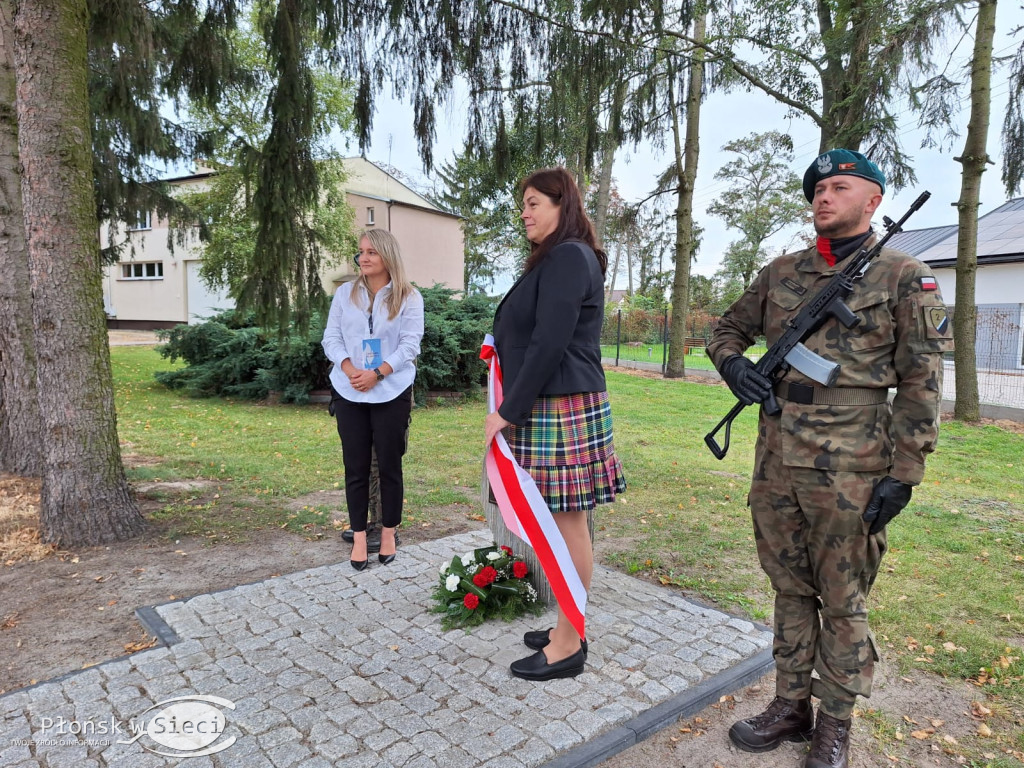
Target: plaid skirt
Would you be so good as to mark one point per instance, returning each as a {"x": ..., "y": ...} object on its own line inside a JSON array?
[{"x": 566, "y": 447}]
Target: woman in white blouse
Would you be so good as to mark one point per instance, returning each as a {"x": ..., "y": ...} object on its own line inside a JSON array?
[{"x": 372, "y": 338}]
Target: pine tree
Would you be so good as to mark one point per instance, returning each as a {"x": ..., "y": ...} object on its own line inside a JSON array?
[
  {"x": 85, "y": 496},
  {"x": 20, "y": 436},
  {"x": 238, "y": 131}
]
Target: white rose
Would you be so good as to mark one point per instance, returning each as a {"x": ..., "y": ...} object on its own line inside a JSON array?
[
  {"x": 444, "y": 568},
  {"x": 451, "y": 583},
  {"x": 494, "y": 555},
  {"x": 468, "y": 559}
]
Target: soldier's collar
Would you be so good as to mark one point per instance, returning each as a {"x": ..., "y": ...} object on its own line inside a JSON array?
[{"x": 834, "y": 250}]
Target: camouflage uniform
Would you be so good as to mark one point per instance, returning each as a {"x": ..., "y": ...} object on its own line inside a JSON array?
[{"x": 816, "y": 463}]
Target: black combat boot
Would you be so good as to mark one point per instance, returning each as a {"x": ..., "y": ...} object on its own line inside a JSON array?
[
  {"x": 784, "y": 720},
  {"x": 831, "y": 744}
]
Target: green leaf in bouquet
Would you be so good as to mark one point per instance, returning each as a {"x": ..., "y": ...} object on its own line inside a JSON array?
[
  {"x": 505, "y": 588},
  {"x": 469, "y": 586}
]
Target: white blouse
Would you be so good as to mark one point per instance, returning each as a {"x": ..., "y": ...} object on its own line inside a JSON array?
[{"x": 350, "y": 325}]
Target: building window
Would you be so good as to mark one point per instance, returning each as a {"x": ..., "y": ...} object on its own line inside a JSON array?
[
  {"x": 369, "y": 217},
  {"x": 142, "y": 221},
  {"x": 142, "y": 270}
]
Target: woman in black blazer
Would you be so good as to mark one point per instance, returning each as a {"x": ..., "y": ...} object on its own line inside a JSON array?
[{"x": 555, "y": 412}]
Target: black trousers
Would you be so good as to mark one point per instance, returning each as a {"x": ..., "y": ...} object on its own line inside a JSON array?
[{"x": 379, "y": 427}]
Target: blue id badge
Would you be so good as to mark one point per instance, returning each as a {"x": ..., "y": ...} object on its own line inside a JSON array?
[{"x": 372, "y": 357}]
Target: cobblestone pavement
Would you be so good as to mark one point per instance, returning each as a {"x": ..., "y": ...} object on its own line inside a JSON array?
[{"x": 333, "y": 667}]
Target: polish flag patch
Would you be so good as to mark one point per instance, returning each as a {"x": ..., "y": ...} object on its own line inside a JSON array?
[{"x": 928, "y": 284}]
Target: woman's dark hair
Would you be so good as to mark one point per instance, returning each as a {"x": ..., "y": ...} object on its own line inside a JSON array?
[{"x": 573, "y": 224}]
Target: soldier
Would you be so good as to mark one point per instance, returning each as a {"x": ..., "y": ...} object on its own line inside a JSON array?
[{"x": 837, "y": 464}]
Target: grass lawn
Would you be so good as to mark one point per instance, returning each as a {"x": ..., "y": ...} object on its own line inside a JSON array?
[
  {"x": 652, "y": 353},
  {"x": 950, "y": 598}
]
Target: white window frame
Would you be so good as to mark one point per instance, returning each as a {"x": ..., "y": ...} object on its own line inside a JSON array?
[
  {"x": 370, "y": 218},
  {"x": 145, "y": 224},
  {"x": 129, "y": 268}
]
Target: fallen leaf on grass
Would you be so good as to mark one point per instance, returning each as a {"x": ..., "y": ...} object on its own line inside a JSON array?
[
  {"x": 923, "y": 733},
  {"x": 10, "y": 621},
  {"x": 936, "y": 723},
  {"x": 949, "y": 739},
  {"x": 984, "y": 731}
]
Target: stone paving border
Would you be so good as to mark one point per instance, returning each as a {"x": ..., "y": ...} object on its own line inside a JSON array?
[{"x": 330, "y": 667}]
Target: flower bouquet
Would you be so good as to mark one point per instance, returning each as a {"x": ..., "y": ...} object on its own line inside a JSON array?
[{"x": 487, "y": 582}]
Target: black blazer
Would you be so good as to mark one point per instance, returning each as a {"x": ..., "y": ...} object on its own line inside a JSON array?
[{"x": 547, "y": 330}]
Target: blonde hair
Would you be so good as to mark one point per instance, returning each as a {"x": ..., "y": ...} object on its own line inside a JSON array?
[{"x": 386, "y": 245}]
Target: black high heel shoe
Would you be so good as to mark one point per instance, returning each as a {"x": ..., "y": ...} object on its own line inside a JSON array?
[
  {"x": 387, "y": 559},
  {"x": 539, "y": 638},
  {"x": 359, "y": 565}
]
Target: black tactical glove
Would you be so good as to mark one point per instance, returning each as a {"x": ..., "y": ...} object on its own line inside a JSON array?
[
  {"x": 887, "y": 500},
  {"x": 748, "y": 384}
]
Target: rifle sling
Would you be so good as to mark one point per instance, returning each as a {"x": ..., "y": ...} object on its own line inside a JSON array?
[{"x": 808, "y": 395}]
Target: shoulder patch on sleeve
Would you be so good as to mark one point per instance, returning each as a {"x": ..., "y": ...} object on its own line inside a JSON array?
[
  {"x": 928, "y": 283},
  {"x": 937, "y": 318}
]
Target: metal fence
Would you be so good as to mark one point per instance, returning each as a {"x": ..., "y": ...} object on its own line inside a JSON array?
[
  {"x": 641, "y": 337},
  {"x": 999, "y": 352}
]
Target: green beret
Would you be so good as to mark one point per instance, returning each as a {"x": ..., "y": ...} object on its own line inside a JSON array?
[{"x": 840, "y": 162}]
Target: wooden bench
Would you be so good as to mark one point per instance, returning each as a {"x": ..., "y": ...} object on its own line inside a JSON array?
[{"x": 694, "y": 342}]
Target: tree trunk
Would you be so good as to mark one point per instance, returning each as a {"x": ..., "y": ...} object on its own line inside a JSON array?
[
  {"x": 614, "y": 272},
  {"x": 686, "y": 166},
  {"x": 604, "y": 186},
  {"x": 974, "y": 160},
  {"x": 630, "y": 244},
  {"x": 610, "y": 142},
  {"x": 85, "y": 496},
  {"x": 19, "y": 408}
]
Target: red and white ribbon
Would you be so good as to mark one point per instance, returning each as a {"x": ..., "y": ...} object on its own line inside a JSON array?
[{"x": 526, "y": 513}]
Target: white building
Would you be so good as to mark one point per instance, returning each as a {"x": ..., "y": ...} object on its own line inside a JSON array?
[
  {"x": 155, "y": 286},
  {"x": 999, "y": 281}
]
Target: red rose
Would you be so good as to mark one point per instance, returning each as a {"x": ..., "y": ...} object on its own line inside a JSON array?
[
  {"x": 471, "y": 601},
  {"x": 485, "y": 577},
  {"x": 506, "y": 550},
  {"x": 519, "y": 570}
]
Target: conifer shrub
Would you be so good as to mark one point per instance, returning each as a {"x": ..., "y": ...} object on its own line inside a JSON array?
[{"x": 229, "y": 356}]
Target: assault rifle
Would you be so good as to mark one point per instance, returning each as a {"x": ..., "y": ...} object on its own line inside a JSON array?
[{"x": 789, "y": 349}]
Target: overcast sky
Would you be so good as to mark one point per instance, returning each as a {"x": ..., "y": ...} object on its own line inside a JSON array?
[{"x": 726, "y": 117}]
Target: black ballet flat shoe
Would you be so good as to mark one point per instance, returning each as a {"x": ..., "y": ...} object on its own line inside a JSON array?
[
  {"x": 539, "y": 638},
  {"x": 386, "y": 559},
  {"x": 536, "y": 667},
  {"x": 359, "y": 565}
]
